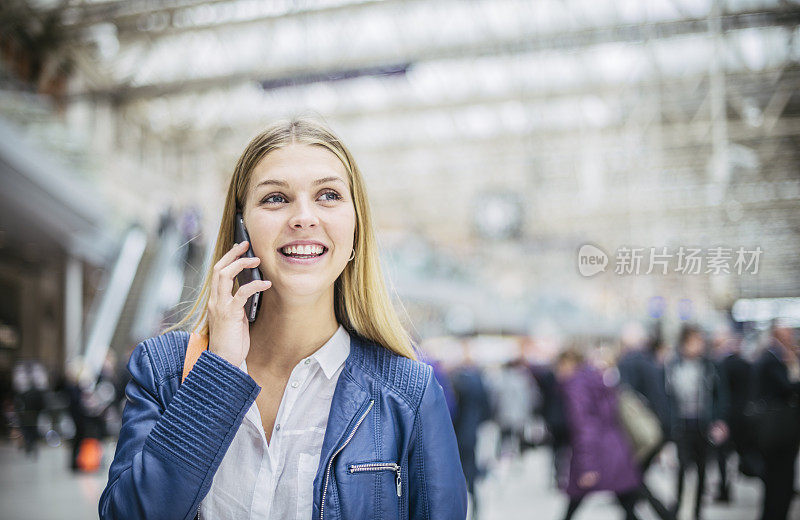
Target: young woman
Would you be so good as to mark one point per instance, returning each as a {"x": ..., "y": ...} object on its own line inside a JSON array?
[{"x": 318, "y": 408}]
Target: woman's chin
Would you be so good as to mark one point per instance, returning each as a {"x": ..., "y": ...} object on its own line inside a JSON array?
[{"x": 298, "y": 289}]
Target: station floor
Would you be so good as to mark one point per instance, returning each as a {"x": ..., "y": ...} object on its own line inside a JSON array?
[{"x": 516, "y": 488}]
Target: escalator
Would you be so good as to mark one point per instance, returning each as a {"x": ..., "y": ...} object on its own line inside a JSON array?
[{"x": 168, "y": 272}]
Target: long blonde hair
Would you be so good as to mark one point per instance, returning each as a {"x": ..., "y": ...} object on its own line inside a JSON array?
[{"x": 361, "y": 301}]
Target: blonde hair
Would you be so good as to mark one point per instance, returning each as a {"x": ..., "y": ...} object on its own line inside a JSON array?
[{"x": 361, "y": 301}]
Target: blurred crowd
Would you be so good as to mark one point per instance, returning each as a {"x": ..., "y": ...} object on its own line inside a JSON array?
[
  {"x": 75, "y": 410},
  {"x": 607, "y": 415}
]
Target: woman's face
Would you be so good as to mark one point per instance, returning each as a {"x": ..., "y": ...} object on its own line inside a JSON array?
[{"x": 300, "y": 193}]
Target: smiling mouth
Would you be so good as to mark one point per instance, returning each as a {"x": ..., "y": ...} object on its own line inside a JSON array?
[{"x": 303, "y": 256}]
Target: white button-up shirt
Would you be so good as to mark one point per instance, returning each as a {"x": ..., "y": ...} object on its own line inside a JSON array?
[{"x": 257, "y": 480}]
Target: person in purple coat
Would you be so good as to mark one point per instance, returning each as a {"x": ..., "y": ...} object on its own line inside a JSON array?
[{"x": 602, "y": 458}]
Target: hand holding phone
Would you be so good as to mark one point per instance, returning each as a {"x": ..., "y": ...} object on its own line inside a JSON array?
[{"x": 228, "y": 325}]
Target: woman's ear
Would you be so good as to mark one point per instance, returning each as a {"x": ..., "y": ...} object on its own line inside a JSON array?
[{"x": 240, "y": 210}]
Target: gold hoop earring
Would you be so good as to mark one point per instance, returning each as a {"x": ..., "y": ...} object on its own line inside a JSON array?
[{"x": 352, "y": 255}]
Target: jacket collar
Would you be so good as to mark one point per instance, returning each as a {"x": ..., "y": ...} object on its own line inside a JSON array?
[
  {"x": 350, "y": 401},
  {"x": 349, "y": 397}
]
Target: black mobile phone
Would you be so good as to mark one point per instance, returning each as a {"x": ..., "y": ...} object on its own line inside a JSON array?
[{"x": 248, "y": 274}]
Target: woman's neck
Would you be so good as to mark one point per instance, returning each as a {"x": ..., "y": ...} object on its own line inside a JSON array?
[{"x": 282, "y": 335}]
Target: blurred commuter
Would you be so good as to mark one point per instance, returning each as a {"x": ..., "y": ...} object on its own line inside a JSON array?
[
  {"x": 697, "y": 404},
  {"x": 777, "y": 381},
  {"x": 640, "y": 370},
  {"x": 28, "y": 404},
  {"x": 602, "y": 458},
  {"x": 552, "y": 408},
  {"x": 108, "y": 396},
  {"x": 514, "y": 396},
  {"x": 52, "y": 405},
  {"x": 74, "y": 391},
  {"x": 87, "y": 407},
  {"x": 536, "y": 429},
  {"x": 472, "y": 409},
  {"x": 736, "y": 372},
  {"x": 443, "y": 379}
]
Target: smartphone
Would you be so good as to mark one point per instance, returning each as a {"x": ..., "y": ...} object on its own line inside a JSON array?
[{"x": 248, "y": 274}]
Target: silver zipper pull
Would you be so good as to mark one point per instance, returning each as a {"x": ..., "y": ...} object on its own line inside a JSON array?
[{"x": 398, "y": 481}]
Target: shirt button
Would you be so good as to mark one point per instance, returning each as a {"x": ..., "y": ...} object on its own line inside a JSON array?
[
  {"x": 277, "y": 427},
  {"x": 295, "y": 384},
  {"x": 308, "y": 361}
]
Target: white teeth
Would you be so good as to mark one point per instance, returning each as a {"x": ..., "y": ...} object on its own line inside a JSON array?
[{"x": 303, "y": 250}]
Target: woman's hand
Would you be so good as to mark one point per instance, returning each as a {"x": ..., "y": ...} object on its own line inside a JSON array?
[
  {"x": 588, "y": 479},
  {"x": 228, "y": 328}
]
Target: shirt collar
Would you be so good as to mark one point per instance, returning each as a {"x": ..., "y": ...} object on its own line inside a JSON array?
[{"x": 331, "y": 355}]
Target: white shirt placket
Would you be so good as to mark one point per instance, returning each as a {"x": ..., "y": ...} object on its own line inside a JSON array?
[{"x": 268, "y": 480}]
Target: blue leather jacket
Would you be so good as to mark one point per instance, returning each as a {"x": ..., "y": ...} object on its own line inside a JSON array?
[{"x": 386, "y": 409}]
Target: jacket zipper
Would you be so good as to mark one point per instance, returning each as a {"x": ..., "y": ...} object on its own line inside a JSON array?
[
  {"x": 378, "y": 466},
  {"x": 330, "y": 462}
]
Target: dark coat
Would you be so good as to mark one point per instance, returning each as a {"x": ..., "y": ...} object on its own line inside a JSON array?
[
  {"x": 598, "y": 441},
  {"x": 552, "y": 405},
  {"x": 640, "y": 371},
  {"x": 472, "y": 404},
  {"x": 714, "y": 395},
  {"x": 472, "y": 408},
  {"x": 738, "y": 374},
  {"x": 772, "y": 384}
]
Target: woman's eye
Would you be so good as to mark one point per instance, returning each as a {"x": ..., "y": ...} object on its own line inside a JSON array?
[
  {"x": 270, "y": 199},
  {"x": 266, "y": 200},
  {"x": 336, "y": 196}
]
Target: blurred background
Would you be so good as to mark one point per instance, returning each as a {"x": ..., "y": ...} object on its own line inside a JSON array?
[{"x": 543, "y": 174}]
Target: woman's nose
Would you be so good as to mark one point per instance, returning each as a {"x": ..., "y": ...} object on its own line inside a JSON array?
[{"x": 304, "y": 215}]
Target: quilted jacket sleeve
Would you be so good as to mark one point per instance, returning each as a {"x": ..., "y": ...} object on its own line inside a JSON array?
[
  {"x": 438, "y": 490},
  {"x": 166, "y": 456}
]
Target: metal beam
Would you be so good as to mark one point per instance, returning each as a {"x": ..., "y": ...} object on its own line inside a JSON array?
[
  {"x": 676, "y": 106},
  {"x": 422, "y": 51},
  {"x": 675, "y": 137},
  {"x": 162, "y": 17}
]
